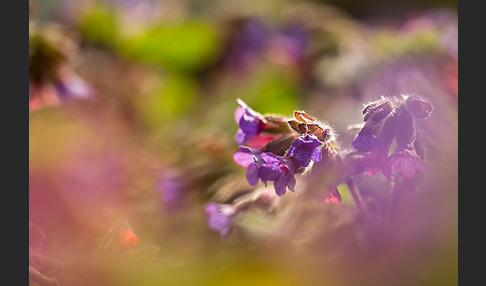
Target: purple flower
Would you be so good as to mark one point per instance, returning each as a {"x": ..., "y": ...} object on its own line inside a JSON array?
[
  {"x": 405, "y": 162},
  {"x": 293, "y": 40},
  {"x": 219, "y": 217},
  {"x": 72, "y": 86},
  {"x": 305, "y": 148},
  {"x": 419, "y": 107},
  {"x": 374, "y": 161},
  {"x": 376, "y": 115},
  {"x": 250, "y": 159},
  {"x": 401, "y": 127},
  {"x": 170, "y": 185},
  {"x": 366, "y": 140},
  {"x": 267, "y": 167},
  {"x": 253, "y": 38},
  {"x": 278, "y": 169},
  {"x": 377, "y": 111},
  {"x": 250, "y": 122},
  {"x": 247, "y": 42}
]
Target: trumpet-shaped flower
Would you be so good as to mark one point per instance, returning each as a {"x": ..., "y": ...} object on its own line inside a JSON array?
[
  {"x": 405, "y": 162},
  {"x": 219, "y": 217},
  {"x": 250, "y": 122},
  {"x": 280, "y": 170},
  {"x": 267, "y": 167},
  {"x": 305, "y": 148}
]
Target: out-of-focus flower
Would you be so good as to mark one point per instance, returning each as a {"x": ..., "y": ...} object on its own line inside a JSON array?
[
  {"x": 388, "y": 120},
  {"x": 297, "y": 41},
  {"x": 373, "y": 162},
  {"x": 406, "y": 163},
  {"x": 170, "y": 185},
  {"x": 288, "y": 45},
  {"x": 127, "y": 239},
  {"x": 52, "y": 79},
  {"x": 250, "y": 122},
  {"x": 333, "y": 196},
  {"x": 248, "y": 39},
  {"x": 305, "y": 148},
  {"x": 72, "y": 86},
  {"x": 219, "y": 217}
]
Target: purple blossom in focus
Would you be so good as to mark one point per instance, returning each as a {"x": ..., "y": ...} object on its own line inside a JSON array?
[
  {"x": 219, "y": 217},
  {"x": 250, "y": 122},
  {"x": 267, "y": 167},
  {"x": 305, "y": 148},
  {"x": 278, "y": 169},
  {"x": 250, "y": 159}
]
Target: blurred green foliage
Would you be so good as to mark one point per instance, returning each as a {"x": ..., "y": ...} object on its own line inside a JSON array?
[
  {"x": 99, "y": 25},
  {"x": 272, "y": 90},
  {"x": 180, "y": 47},
  {"x": 176, "y": 96}
]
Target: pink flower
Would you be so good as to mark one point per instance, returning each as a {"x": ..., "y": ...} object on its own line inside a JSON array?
[{"x": 219, "y": 217}]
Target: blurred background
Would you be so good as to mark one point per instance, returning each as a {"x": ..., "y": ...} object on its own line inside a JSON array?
[{"x": 131, "y": 133}]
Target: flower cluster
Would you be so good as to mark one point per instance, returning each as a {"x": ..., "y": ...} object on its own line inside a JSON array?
[
  {"x": 388, "y": 121},
  {"x": 291, "y": 147},
  {"x": 219, "y": 217},
  {"x": 275, "y": 150}
]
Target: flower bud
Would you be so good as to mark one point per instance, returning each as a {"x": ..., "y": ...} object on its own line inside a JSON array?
[{"x": 419, "y": 107}]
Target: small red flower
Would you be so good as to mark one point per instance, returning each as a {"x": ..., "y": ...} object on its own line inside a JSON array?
[
  {"x": 333, "y": 196},
  {"x": 127, "y": 239}
]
